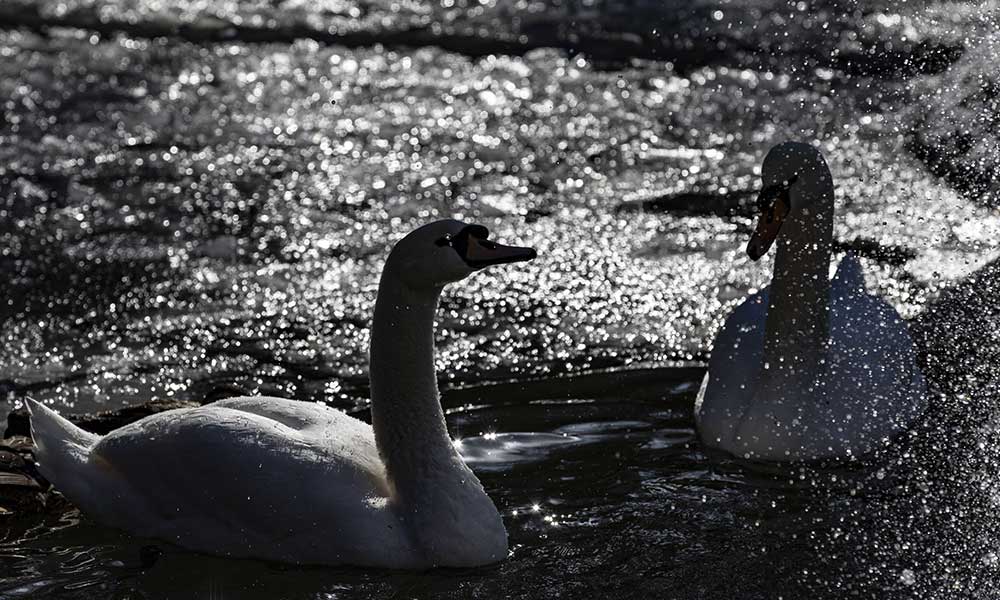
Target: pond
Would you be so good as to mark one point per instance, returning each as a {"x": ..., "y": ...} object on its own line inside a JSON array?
[
  {"x": 614, "y": 495},
  {"x": 196, "y": 203},
  {"x": 607, "y": 496}
]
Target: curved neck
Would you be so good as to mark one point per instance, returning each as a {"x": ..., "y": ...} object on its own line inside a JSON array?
[
  {"x": 409, "y": 425},
  {"x": 798, "y": 320}
]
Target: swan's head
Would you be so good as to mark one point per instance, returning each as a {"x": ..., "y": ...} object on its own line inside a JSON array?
[
  {"x": 447, "y": 251},
  {"x": 795, "y": 177}
]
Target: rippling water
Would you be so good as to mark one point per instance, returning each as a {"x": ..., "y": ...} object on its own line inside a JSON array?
[
  {"x": 196, "y": 202},
  {"x": 613, "y": 496},
  {"x": 185, "y": 220}
]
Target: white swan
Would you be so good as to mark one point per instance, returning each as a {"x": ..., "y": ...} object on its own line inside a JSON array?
[
  {"x": 300, "y": 482},
  {"x": 810, "y": 367}
]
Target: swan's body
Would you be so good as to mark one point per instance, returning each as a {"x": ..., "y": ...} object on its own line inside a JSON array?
[
  {"x": 299, "y": 482},
  {"x": 809, "y": 367},
  {"x": 247, "y": 477}
]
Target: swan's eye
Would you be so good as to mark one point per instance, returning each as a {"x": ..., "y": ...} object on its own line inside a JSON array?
[
  {"x": 445, "y": 241},
  {"x": 769, "y": 195}
]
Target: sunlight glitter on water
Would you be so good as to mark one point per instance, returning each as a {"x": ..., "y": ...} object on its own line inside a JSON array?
[
  {"x": 220, "y": 236},
  {"x": 195, "y": 220}
]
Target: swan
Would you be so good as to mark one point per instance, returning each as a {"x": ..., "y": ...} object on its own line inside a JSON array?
[
  {"x": 300, "y": 482},
  {"x": 809, "y": 367}
]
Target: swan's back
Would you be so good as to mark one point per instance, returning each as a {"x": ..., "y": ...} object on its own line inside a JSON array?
[
  {"x": 871, "y": 388},
  {"x": 874, "y": 381},
  {"x": 262, "y": 477}
]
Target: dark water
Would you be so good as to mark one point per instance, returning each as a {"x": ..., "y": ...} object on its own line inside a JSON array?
[
  {"x": 614, "y": 497},
  {"x": 609, "y": 496},
  {"x": 195, "y": 203}
]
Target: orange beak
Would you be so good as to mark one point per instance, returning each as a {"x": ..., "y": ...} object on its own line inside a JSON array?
[{"x": 774, "y": 203}]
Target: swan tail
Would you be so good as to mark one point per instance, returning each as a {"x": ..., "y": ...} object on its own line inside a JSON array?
[{"x": 62, "y": 449}]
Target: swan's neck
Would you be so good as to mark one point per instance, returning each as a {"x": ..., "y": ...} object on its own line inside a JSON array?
[
  {"x": 409, "y": 424},
  {"x": 434, "y": 493},
  {"x": 798, "y": 319}
]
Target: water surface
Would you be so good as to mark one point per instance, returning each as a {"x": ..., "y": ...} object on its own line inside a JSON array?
[{"x": 195, "y": 202}]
